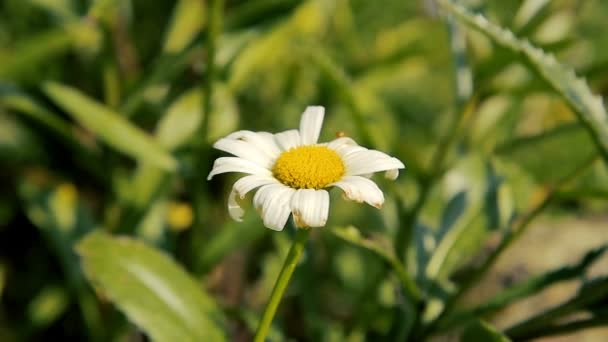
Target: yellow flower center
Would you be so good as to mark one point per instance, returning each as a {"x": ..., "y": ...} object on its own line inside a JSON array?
[{"x": 308, "y": 167}]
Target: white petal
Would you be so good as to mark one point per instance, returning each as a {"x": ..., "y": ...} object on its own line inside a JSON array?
[
  {"x": 310, "y": 207},
  {"x": 361, "y": 189},
  {"x": 262, "y": 140},
  {"x": 310, "y": 124},
  {"x": 272, "y": 201},
  {"x": 245, "y": 150},
  {"x": 288, "y": 139},
  {"x": 241, "y": 188},
  {"x": 235, "y": 164},
  {"x": 369, "y": 161}
]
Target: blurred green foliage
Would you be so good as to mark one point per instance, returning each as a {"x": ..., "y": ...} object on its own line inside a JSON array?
[{"x": 104, "y": 132}]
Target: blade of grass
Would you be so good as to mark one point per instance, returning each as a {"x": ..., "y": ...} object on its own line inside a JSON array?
[
  {"x": 588, "y": 294},
  {"x": 525, "y": 289}
]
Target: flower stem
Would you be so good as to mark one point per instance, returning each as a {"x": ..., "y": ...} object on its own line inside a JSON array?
[{"x": 281, "y": 284}]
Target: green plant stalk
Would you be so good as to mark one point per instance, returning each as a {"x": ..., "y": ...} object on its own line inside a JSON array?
[{"x": 280, "y": 285}]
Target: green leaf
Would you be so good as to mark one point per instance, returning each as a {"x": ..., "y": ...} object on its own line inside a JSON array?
[
  {"x": 187, "y": 21},
  {"x": 464, "y": 225},
  {"x": 481, "y": 331},
  {"x": 114, "y": 129},
  {"x": 588, "y": 107},
  {"x": 151, "y": 289},
  {"x": 563, "y": 150}
]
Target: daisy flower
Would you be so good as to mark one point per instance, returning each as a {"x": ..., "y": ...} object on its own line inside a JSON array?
[{"x": 293, "y": 171}]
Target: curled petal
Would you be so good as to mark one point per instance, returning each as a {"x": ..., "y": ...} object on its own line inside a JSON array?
[
  {"x": 360, "y": 189},
  {"x": 310, "y": 124},
  {"x": 392, "y": 174},
  {"x": 235, "y": 210},
  {"x": 310, "y": 207}
]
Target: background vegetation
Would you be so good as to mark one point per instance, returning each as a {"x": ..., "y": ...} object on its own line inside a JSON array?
[{"x": 109, "y": 231}]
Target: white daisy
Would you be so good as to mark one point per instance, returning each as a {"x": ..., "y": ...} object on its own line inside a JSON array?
[{"x": 292, "y": 172}]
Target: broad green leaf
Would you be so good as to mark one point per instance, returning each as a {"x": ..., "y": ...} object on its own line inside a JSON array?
[
  {"x": 187, "y": 21},
  {"x": 481, "y": 331},
  {"x": 575, "y": 91},
  {"x": 563, "y": 150},
  {"x": 110, "y": 126},
  {"x": 151, "y": 289}
]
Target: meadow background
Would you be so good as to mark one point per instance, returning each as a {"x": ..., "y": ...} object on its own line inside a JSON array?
[{"x": 495, "y": 230}]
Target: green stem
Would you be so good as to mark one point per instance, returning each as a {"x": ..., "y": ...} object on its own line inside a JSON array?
[{"x": 281, "y": 284}]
